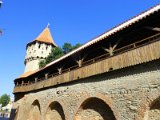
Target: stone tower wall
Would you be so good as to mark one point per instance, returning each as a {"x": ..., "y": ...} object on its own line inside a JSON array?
[{"x": 35, "y": 53}]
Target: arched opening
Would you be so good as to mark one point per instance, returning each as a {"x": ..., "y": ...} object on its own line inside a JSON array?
[
  {"x": 35, "y": 113},
  {"x": 154, "y": 111},
  {"x": 55, "y": 112},
  {"x": 94, "y": 109}
]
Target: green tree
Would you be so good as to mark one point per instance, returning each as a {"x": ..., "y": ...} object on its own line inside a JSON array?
[
  {"x": 76, "y": 46},
  {"x": 4, "y": 99},
  {"x": 57, "y": 53},
  {"x": 42, "y": 63},
  {"x": 67, "y": 47}
]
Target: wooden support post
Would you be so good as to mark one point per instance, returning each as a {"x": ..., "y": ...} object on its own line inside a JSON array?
[
  {"x": 134, "y": 45},
  {"x": 80, "y": 62},
  {"x": 22, "y": 82},
  {"x": 59, "y": 70},
  {"x": 17, "y": 84},
  {"x": 46, "y": 76},
  {"x": 111, "y": 49},
  {"x": 153, "y": 28},
  {"x": 36, "y": 79}
]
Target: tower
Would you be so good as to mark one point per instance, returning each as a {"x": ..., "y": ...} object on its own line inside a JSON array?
[{"x": 38, "y": 50}]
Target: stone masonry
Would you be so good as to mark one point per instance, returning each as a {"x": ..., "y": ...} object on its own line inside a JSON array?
[{"x": 131, "y": 93}]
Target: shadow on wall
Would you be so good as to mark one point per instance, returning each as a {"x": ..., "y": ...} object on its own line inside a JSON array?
[
  {"x": 55, "y": 112},
  {"x": 35, "y": 113},
  {"x": 94, "y": 109},
  {"x": 13, "y": 115}
]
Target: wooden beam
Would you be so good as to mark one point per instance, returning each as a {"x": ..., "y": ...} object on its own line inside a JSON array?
[
  {"x": 153, "y": 28},
  {"x": 111, "y": 49},
  {"x": 22, "y": 82},
  {"x": 59, "y": 70},
  {"x": 80, "y": 60},
  {"x": 35, "y": 80},
  {"x": 17, "y": 84},
  {"x": 46, "y": 75}
]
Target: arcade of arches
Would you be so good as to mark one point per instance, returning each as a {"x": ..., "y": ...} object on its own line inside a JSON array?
[{"x": 90, "y": 109}]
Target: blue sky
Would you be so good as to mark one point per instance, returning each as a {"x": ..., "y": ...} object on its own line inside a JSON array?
[{"x": 74, "y": 21}]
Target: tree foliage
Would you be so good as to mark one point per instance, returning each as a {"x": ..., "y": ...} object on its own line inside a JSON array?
[
  {"x": 76, "y": 46},
  {"x": 42, "y": 63},
  {"x": 55, "y": 54},
  {"x": 67, "y": 47},
  {"x": 4, "y": 99},
  {"x": 58, "y": 52}
]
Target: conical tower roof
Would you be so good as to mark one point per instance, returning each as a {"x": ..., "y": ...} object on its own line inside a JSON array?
[{"x": 46, "y": 37}]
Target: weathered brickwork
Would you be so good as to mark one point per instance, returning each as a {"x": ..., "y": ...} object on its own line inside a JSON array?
[{"x": 129, "y": 94}]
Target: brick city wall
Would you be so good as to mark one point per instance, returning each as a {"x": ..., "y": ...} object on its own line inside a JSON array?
[{"x": 132, "y": 93}]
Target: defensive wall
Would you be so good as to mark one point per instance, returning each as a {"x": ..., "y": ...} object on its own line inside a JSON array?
[{"x": 127, "y": 94}]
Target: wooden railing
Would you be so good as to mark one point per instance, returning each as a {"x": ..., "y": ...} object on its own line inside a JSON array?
[{"x": 139, "y": 52}]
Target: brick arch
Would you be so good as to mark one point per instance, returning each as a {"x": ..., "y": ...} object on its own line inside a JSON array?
[
  {"x": 148, "y": 103},
  {"x": 97, "y": 108},
  {"x": 35, "y": 111},
  {"x": 54, "y": 112}
]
